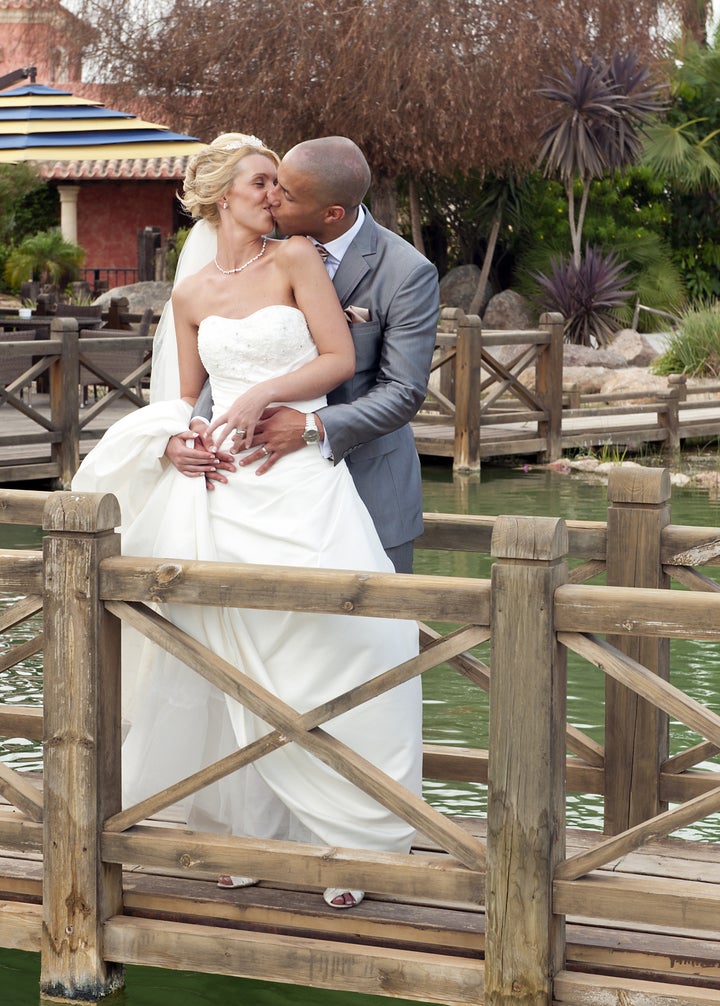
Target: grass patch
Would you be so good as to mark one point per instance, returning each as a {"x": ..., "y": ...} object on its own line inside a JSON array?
[{"x": 694, "y": 348}]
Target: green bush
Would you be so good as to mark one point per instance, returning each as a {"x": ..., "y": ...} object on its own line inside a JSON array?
[
  {"x": 175, "y": 246},
  {"x": 47, "y": 257},
  {"x": 694, "y": 348}
]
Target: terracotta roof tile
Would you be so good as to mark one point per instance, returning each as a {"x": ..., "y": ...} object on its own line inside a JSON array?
[{"x": 147, "y": 168}]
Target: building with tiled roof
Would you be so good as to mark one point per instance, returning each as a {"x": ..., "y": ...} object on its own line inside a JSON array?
[{"x": 116, "y": 174}]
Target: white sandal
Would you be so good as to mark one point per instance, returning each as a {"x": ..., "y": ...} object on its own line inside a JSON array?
[
  {"x": 236, "y": 881},
  {"x": 331, "y": 893}
]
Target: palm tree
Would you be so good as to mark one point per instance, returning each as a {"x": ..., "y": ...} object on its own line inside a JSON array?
[
  {"x": 47, "y": 257},
  {"x": 602, "y": 112}
]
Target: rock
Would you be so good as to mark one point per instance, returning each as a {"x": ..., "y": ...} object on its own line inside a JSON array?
[
  {"x": 583, "y": 464},
  {"x": 679, "y": 479},
  {"x": 140, "y": 295},
  {"x": 605, "y": 467},
  {"x": 586, "y": 380},
  {"x": 633, "y": 347},
  {"x": 509, "y": 311},
  {"x": 634, "y": 379},
  {"x": 586, "y": 356},
  {"x": 457, "y": 287}
]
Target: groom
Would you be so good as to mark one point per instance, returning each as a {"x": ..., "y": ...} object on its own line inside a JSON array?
[{"x": 383, "y": 280}]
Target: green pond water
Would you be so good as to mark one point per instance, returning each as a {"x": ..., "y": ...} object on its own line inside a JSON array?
[{"x": 455, "y": 714}]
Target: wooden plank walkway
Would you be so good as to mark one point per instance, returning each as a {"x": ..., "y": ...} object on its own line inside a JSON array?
[
  {"x": 446, "y": 939},
  {"x": 30, "y": 461},
  {"x": 631, "y": 431}
]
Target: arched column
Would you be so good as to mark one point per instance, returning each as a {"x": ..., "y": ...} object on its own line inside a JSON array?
[{"x": 68, "y": 211}]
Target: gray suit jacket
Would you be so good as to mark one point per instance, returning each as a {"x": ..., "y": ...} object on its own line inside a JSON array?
[{"x": 367, "y": 418}]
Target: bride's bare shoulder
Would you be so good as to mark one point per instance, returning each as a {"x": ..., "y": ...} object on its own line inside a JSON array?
[{"x": 186, "y": 291}]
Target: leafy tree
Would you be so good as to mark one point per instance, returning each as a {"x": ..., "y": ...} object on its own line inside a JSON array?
[
  {"x": 684, "y": 150},
  {"x": 424, "y": 86},
  {"x": 27, "y": 205}
]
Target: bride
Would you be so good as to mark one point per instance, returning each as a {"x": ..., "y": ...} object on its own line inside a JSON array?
[{"x": 261, "y": 319}]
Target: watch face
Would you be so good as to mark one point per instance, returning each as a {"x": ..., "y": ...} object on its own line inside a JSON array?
[{"x": 311, "y": 436}]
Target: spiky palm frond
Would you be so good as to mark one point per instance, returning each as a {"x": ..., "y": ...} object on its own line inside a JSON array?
[
  {"x": 604, "y": 109},
  {"x": 46, "y": 256},
  {"x": 586, "y": 295}
]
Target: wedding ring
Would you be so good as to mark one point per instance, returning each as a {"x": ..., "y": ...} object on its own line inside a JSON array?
[
  {"x": 240, "y": 433},
  {"x": 265, "y": 451}
]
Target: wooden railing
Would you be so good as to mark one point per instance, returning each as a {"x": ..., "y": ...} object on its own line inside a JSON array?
[
  {"x": 472, "y": 387},
  {"x": 534, "y": 609},
  {"x": 680, "y": 406},
  {"x": 70, "y": 358}
]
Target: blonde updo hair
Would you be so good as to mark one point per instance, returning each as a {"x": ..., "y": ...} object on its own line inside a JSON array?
[{"x": 210, "y": 173}]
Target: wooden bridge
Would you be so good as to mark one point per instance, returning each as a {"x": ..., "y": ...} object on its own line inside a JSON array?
[
  {"x": 478, "y": 407},
  {"x": 511, "y": 909},
  {"x": 483, "y": 404}
]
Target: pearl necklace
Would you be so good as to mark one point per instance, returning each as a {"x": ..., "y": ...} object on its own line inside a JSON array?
[{"x": 230, "y": 272}]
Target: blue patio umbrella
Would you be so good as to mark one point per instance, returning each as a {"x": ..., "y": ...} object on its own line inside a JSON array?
[{"x": 40, "y": 123}]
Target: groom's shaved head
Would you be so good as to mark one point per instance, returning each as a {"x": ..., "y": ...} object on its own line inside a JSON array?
[{"x": 335, "y": 167}]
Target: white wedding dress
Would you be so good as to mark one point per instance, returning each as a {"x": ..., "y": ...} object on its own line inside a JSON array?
[{"x": 304, "y": 512}]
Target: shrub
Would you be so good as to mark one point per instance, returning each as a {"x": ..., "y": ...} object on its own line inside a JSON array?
[
  {"x": 587, "y": 295},
  {"x": 175, "y": 246},
  {"x": 694, "y": 347},
  {"x": 47, "y": 257}
]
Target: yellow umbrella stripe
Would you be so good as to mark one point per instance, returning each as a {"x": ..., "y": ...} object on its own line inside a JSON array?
[
  {"x": 46, "y": 101},
  {"x": 35, "y": 127},
  {"x": 104, "y": 152}
]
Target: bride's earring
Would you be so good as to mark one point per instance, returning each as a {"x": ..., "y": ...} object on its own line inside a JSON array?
[{"x": 225, "y": 204}]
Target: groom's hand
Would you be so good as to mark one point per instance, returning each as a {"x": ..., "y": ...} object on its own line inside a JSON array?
[
  {"x": 279, "y": 432},
  {"x": 193, "y": 455}
]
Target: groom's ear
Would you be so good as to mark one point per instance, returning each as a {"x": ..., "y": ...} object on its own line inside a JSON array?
[{"x": 334, "y": 214}]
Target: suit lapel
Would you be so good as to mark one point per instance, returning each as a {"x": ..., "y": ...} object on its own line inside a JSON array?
[{"x": 357, "y": 260}]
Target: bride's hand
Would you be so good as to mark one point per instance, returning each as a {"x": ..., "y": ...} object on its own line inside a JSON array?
[{"x": 240, "y": 419}]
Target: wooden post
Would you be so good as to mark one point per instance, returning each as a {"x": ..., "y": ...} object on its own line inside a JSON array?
[
  {"x": 117, "y": 314},
  {"x": 525, "y": 942},
  {"x": 81, "y": 747},
  {"x": 65, "y": 400},
  {"x": 468, "y": 361},
  {"x": 449, "y": 318},
  {"x": 669, "y": 419},
  {"x": 636, "y": 732},
  {"x": 549, "y": 386}
]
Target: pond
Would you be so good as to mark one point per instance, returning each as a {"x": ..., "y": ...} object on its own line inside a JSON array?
[{"x": 455, "y": 713}]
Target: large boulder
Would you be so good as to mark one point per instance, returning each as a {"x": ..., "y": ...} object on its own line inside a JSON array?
[
  {"x": 586, "y": 356},
  {"x": 638, "y": 380},
  {"x": 635, "y": 348},
  {"x": 140, "y": 296},
  {"x": 509, "y": 311},
  {"x": 457, "y": 287}
]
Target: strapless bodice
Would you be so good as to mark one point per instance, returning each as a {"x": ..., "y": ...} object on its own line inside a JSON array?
[{"x": 240, "y": 352}]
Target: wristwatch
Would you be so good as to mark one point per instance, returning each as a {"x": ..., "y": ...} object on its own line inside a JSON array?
[{"x": 310, "y": 434}]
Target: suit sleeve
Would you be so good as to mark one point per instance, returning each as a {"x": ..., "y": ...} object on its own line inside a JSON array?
[
  {"x": 204, "y": 403},
  {"x": 391, "y": 399}
]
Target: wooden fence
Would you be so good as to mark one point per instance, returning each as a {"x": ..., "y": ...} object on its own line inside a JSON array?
[
  {"x": 474, "y": 388},
  {"x": 502, "y": 393},
  {"x": 68, "y": 360},
  {"x": 492, "y": 394},
  {"x": 533, "y": 609}
]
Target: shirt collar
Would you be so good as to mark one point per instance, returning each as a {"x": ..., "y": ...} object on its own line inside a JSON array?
[{"x": 338, "y": 246}]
